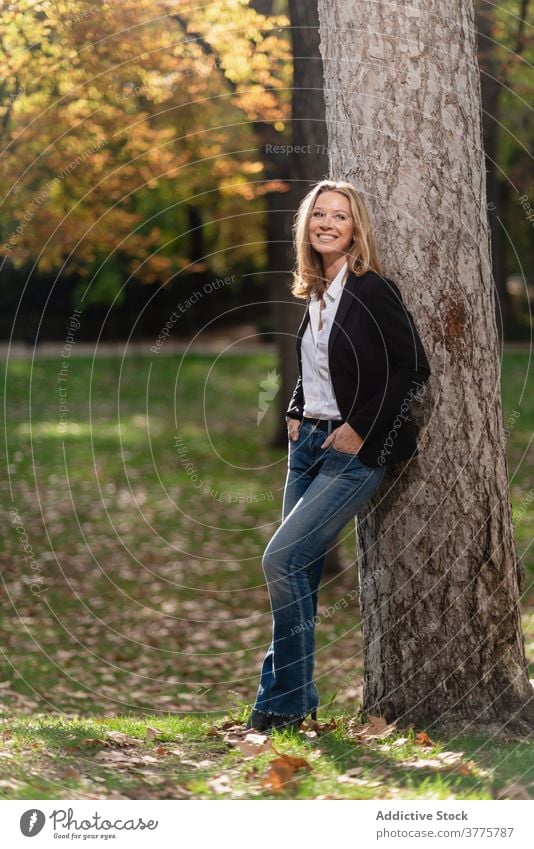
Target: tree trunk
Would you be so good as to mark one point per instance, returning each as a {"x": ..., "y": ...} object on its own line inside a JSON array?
[
  {"x": 309, "y": 134},
  {"x": 491, "y": 86},
  {"x": 439, "y": 577},
  {"x": 299, "y": 171}
]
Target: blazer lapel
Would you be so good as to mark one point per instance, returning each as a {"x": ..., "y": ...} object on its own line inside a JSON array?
[
  {"x": 303, "y": 323},
  {"x": 348, "y": 298}
]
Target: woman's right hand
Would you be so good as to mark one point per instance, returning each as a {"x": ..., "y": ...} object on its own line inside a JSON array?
[{"x": 293, "y": 428}]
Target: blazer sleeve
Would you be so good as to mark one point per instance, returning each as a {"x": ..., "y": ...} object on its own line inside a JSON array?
[
  {"x": 296, "y": 405},
  {"x": 295, "y": 409},
  {"x": 408, "y": 366}
]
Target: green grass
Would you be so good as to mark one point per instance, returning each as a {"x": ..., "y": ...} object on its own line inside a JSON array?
[
  {"x": 55, "y": 757},
  {"x": 154, "y": 610},
  {"x": 72, "y": 757}
]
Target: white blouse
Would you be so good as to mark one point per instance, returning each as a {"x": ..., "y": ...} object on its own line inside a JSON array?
[{"x": 319, "y": 399}]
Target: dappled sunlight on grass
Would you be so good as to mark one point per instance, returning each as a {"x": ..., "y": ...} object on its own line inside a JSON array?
[
  {"x": 130, "y": 429},
  {"x": 153, "y": 597}
]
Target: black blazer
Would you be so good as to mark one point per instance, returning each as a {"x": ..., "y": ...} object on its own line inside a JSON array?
[{"x": 378, "y": 366}]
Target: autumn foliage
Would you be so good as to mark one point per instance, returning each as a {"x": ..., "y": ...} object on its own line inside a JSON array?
[{"x": 118, "y": 117}]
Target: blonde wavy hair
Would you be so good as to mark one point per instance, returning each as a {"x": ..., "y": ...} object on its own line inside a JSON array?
[{"x": 308, "y": 276}]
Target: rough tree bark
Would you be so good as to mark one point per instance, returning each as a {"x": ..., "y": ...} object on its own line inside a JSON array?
[
  {"x": 491, "y": 86},
  {"x": 439, "y": 577}
]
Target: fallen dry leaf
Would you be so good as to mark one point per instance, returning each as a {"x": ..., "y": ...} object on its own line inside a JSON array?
[
  {"x": 71, "y": 772},
  {"x": 423, "y": 763},
  {"x": 111, "y": 756},
  {"x": 450, "y": 757},
  {"x": 422, "y": 739},
  {"x": 376, "y": 727},
  {"x": 10, "y": 784},
  {"x": 514, "y": 791},
  {"x": 120, "y": 739},
  {"x": 95, "y": 741},
  {"x": 124, "y": 760},
  {"x": 351, "y": 776},
  {"x": 151, "y": 733},
  {"x": 254, "y": 744},
  {"x": 281, "y": 770},
  {"x": 355, "y": 770},
  {"x": 278, "y": 776},
  {"x": 220, "y": 783},
  {"x": 361, "y": 782},
  {"x": 148, "y": 759},
  {"x": 230, "y": 725},
  {"x": 311, "y": 725},
  {"x": 450, "y": 763},
  {"x": 462, "y": 768},
  {"x": 294, "y": 761}
]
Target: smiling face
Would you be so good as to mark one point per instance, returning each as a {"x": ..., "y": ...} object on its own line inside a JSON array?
[{"x": 331, "y": 226}]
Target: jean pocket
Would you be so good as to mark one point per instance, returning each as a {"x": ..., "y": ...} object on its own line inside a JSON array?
[
  {"x": 344, "y": 453},
  {"x": 299, "y": 434}
]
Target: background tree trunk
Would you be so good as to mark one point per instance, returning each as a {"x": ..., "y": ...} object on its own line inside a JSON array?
[
  {"x": 300, "y": 171},
  {"x": 291, "y": 177},
  {"x": 439, "y": 577},
  {"x": 309, "y": 132}
]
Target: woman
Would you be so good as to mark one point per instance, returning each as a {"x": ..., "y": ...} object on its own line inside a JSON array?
[{"x": 361, "y": 362}]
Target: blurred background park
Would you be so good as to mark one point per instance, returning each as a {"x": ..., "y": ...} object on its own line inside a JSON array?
[{"x": 154, "y": 155}]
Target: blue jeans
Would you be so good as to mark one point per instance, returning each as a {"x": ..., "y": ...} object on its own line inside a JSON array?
[{"x": 324, "y": 489}]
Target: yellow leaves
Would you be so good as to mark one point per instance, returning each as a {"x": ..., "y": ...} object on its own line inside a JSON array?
[
  {"x": 273, "y": 186},
  {"x": 129, "y": 77},
  {"x": 156, "y": 267},
  {"x": 256, "y": 102},
  {"x": 248, "y": 47},
  {"x": 251, "y": 167}
]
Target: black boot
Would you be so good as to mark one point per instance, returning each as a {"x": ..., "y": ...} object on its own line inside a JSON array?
[
  {"x": 286, "y": 723},
  {"x": 291, "y": 723},
  {"x": 259, "y": 721}
]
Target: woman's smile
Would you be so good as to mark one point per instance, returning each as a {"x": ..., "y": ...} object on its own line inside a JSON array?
[
  {"x": 321, "y": 240},
  {"x": 331, "y": 210}
]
